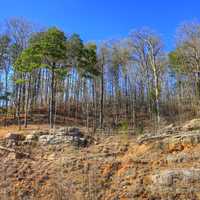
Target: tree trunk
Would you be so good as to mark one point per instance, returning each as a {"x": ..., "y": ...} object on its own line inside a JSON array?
[
  {"x": 27, "y": 103},
  {"x": 19, "y": 107},
  {"x": 156, "y": 94},
  {"x": 102, "y": 98},
  {"x": 52, "y": 102},
  {"x": 6, "y": 94}
]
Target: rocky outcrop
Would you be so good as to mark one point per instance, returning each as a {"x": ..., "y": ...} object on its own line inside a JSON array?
[
  {"x": 13, "y": 139},
  {"x": 168, "y": 178},
  {"x": 171, "y": 142},
  {"x": 179, "y": 142},
  {"x": 176, "y": 184},
  {"x": 193, "y": 124},
  {"x": 71, "y": 135},
  {"x": 180, "y": 157},
  {"x": 160, "y": 166}
]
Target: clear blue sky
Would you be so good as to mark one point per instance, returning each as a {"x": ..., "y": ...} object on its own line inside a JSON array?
[{"x": 98, "y": 20}]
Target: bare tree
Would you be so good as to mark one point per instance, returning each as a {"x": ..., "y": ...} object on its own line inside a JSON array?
[{"x": 148, "y": 53}]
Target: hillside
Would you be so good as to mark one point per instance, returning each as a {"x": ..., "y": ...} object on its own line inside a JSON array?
[
  {"x": 69, "y": 164},
  {"x": 99, "y": 100}
]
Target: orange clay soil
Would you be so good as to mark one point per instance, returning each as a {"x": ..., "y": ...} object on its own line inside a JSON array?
[{"x": 14, "y": 128}]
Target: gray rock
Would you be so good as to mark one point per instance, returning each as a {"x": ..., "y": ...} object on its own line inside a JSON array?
[
  {"x": 61, "y": 131},
  {"x": 31, "y": 137},
  {"x": 178, "y": 158},
  {"x": 168, "y": 178},
  {"x": 46, "y": 139},
  {"x": 65, "y": 135},
  {"x": 57, "y": 139}
]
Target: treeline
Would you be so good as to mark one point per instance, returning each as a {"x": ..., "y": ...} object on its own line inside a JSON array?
[{"x": 118, "y": 83}]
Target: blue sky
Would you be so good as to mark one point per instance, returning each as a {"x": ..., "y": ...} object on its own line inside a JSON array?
[{"x": 97, "y": 20}]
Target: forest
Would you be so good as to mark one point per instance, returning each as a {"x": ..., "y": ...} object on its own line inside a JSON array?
[
  {"x": 123, "y": 83},
  {"x": 83, "y": 117}
]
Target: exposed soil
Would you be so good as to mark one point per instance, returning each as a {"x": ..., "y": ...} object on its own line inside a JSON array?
[{"x": 113, "y": 167}]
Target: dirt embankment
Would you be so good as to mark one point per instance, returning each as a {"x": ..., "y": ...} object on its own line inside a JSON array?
[{"x": 164, "y": 166}]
